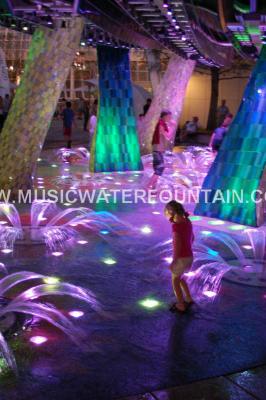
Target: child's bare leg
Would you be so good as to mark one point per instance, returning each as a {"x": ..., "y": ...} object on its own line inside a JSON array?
[
  {"x": 153, "y": 182},
  {"x": 178, "y": 292},
  {"x": 186, "y": 290}
]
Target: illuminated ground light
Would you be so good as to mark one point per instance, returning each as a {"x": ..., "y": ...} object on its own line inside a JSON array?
[
  {"x": 109, "y": 261},
  {"x": 247, "y": 247},
  {"x": 104, "y": 232},
  {"x": 195, "y": 218},
  {"x": 218, "y": 222},
  {"x": 156, "y": 212},
  {"x": 190, "y": 274},
  {"x": 39, "y": 159},
  {"x": 206, "y": 233},
  {"x": 51, "y": 280},
  {"x": 6, "y": 251},
  {"x": 237, "y": 227},
  {"x": 168, "y": 259},
  {"x": 146, "y": 230},
  {"x": 54, "y": 166},
  {"x": 209, "y": 293},
  {"x": 82, "y": 241},
  {"x": 67, "y": 204},
  {"x": 38, "y": 340},
  {"x": 76, "y": 314},
  {"x": 212, "y": 252},
  {"x": 57, "y": 254},
  {"x": 149, "y": 303}
]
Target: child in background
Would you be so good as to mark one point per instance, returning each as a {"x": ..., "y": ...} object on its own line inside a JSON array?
[
  {"x": 182, "y": 253},
  {"x": 68, "y": 121},
  {"x": 219, "y": 133}
]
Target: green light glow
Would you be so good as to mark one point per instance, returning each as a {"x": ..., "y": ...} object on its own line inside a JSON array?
[
  {"x": 216, "y": 222},
  {"x": 115, "y": 145},
  {"x": 109, "y": 261},
  {"x": 237, "y": 227},
  {"x": 150, "y": 303},
  {"x": 195, "y": 218},
  {"x": 240, "y": 163},
  {"x": 51, "y": 280}
]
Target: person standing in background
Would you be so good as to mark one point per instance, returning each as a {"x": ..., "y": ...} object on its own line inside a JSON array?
[
  {"x": 6, "y": 106},
  {"x": 68, "y": 121},
  {"x": 146, "y": 106},
  {"x": 92, "y": 124},
  {"x": 222, "y": 112},
  {"x": 159, "y": 144}
]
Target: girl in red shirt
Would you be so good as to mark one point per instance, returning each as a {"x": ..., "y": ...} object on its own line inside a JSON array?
[
  {"x": 159, "y": 145},
  {"x": 182, "y": 253}
]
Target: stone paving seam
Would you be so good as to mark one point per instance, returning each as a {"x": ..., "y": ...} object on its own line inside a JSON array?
[{"x": 243, "y": 389}]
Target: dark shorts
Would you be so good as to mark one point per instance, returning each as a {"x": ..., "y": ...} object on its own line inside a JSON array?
[
  {"x": 158, "y": 162},
  {"x": 216, "y": 145},
  {"x": 67, "y": 132}
]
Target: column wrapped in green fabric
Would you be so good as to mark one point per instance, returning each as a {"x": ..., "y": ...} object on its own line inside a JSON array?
[
  {"x": 115, "y": 144},
  {"x": 240, "y": 163}
]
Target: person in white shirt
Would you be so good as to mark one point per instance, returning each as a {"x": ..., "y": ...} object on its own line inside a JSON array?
[{"x": 92, "y": 123}]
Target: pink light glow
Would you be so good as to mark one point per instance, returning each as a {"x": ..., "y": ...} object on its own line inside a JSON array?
[
  {"x": 76, "y": 314},
  {"x": 209, "y": 293},
  {"x": 6, "y": 251},
  {"x": 190, "y": 273},
  {"x": 57, "y": 253},
  {"x": 82, "y": 242},
  {"x": 38, "y": 340}
]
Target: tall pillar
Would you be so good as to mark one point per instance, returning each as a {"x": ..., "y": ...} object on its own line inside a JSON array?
[
  {"x": 115, "y": 145},
  {"x": 50, "y": 56},
  {"x": 240, "y": 163},
  {"x": 169, "y": 95},
  {"x": 154, "y": 67}
]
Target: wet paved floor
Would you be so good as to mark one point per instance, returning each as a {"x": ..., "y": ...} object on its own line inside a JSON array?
[
  {"x": 135, "y": 349},
  {"x": 247, "y": 385}
]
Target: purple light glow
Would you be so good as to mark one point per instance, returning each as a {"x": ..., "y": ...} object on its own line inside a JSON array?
[
  {"x": 190, "y": 273},
  {"x": 6, "y": 251},
  {"x": 209, "y": 293},
  {"x": 38, "y": 340},
  {"x": 57, "y": 253},
  {"x": 76, "y": 313}
]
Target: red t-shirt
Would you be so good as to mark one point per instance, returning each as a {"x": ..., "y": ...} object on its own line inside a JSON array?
[
  {"x": 185, "y": 236},
  {"x": 156, "y": 135}
]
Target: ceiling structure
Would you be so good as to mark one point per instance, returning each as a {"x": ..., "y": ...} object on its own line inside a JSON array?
[{"x": 209, "y": 31}]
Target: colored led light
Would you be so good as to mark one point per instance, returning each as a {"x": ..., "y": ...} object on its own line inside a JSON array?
[
  {"x": 209, "y": 293},
  {"x": 236, "y": 227},
  {"x": 146, "y": 230},
  {"x": 109, "y": 261},
  {"x": 149, "y": 303},
  {"x": 76, "y": 314},
  {"x": 38, "y": 340},
  {"x": 51, "y": 280},
  {"x": 216, "y": 222},
  {"x": 6, "y": 251},
  {"x": 195, "y": 218}
]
